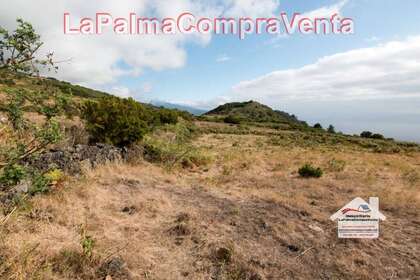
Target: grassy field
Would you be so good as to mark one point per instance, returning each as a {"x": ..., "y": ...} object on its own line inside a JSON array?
[{"x": 239, "y": 211}]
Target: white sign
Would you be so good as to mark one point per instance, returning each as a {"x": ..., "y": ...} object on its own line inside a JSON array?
[{"x": 359, "y": 219}]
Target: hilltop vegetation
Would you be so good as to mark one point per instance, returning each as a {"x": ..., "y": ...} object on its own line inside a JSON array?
[
  {"x": 10, "y": 79},
  {"x": 252, "y": 112}
]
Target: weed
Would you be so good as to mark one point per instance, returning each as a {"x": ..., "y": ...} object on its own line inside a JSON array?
[
  {"x": 54, "y": 176},
  {"x": 172, "y": 145},
  {"x": 308, "y": 171},
  {"x": 40, "y": 184},
  {"x": 12, "y": 175},
  {"x": 411, "y": 177},
  {"x": 336, "y": 165},
  {"x": 69, "y": 262},
  {"x": 87, "y": 242}
]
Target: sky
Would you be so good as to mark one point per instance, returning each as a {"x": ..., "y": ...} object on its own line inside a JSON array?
[{"x": 365, "y": 81}]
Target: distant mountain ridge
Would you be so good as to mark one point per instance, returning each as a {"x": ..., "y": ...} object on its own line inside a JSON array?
[
  {"x": 252, "y": 111},
  {"x": 168, "y": 105}
]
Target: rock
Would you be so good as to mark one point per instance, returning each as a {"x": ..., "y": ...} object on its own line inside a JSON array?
[
  {"x": 114, "y": 268},
  {"x": 23, "y": 187},
  {"x": 74, "y": 159},
  {"x": 316, "y": 228}
]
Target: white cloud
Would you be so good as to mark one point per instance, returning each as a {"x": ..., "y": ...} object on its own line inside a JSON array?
[
  {"x": 386, "y": 71},
  {"x": 99, "y": 61},
  {"x": 326, "y": 11},
  {"x": 373, "y": 39},
  {"x": 223, "y": 58},
  {"x": 123, "y": 92},
  {"x": 251, "y": 8},
  {"x": 322, "y": 12}
]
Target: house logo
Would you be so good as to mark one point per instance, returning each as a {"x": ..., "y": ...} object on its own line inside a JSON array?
[
  {"x": 359, "y": 219},
  {"x": 363, "y": 208}
]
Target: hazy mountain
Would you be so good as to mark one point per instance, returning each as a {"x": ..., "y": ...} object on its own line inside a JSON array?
[{"x": 192, "y": 110}]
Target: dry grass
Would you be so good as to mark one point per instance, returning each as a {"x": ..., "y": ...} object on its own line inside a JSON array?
[{"x": 247, "y": 215}]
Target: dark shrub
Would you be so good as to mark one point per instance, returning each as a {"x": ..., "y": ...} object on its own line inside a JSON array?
[
  {"x": 377, "y": 136},
  {"x": 366, "y": 134},
  {"x": 167, "y": 116},
  {"x": 318, "y": 126},
  {"x": 117, "y": 121},
  {"x": 331, "y": 129},
  {"x": 308, "y": 171},
  {"x": 12, "y": 175},
  {"x": 232, "y": 119},
  {"x": 40, "y": 184}
]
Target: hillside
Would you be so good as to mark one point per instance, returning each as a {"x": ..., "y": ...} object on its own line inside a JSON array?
[
  {"x": 10, "y": 80},
  {"x": 244, "y": 215},
  {"x": 14, "y": 80},
  {"x": 253, "y": 111},
  {"x": 202, "y": 199}
]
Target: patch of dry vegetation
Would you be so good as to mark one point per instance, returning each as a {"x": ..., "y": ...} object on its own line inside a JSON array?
[{"x": 245, "y": 215}]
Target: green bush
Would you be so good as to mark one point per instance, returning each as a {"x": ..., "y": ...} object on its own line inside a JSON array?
[
  {"x": 117, "y": 121},
  {"x": 368, "y": 134},
  {"x": 232, "y": 119},
  {"x": 308, "y": 171},
  {"x": 318, "y": 126},
  {"x": 331, "y": 129},
  {"x": 167, "y": 116},
  {"x": 12, "y": 175},
  {"x": 171, "y": 145},
  {"x": 377, "y": 136},
  {"x": 40, "y": 184}
]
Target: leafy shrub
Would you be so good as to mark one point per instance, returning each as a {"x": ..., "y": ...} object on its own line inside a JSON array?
[
  {"x": 377, "y": 136},
  {"x": 167, "y": 116},
  {"x": 122, "y": 122},
  {"x": 232, "y": 119},
  {"x": 171, "y": 154},
  {"x": 12, "y": 175},
  {"x": 368, "y": 134},
  {"x": 318, "y": 126},
  {"x": 40, "y": 184},
  {"x": 54, "y": 175},
  {"x": 171, "y": 145},
  {"x": 308, "y": 171},
  {"x": 331, "y": 129},
  {"x": 116, "y": 121},
  {"x": 88, "y": 244},
  {"x": 336, "y": 165}
]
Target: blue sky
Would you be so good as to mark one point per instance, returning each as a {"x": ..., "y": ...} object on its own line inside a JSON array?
[
  {"x": 364, "y": 81},
  {"x": 376, "y": 21}
]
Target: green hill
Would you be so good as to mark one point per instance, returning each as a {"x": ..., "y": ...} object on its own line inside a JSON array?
[
  {"x": 255, "y": 112},
  {"x": 13, "y": 80},
  {"x": 17, "y": 80}
]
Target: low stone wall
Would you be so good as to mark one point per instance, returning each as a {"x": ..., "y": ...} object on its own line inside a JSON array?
[{"x": 71, "y": 159}]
